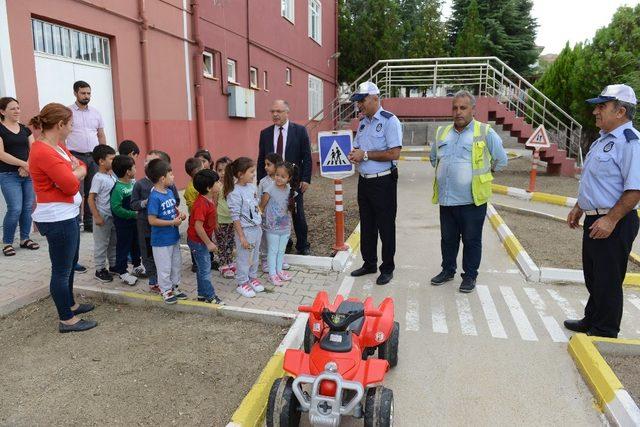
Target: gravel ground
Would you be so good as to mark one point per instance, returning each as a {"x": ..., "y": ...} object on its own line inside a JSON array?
[
  {"x": 517, "y": 172},
  {"x": 564, "y": 251},
  {"x": 140, "y": 366},
  {"x": 627, "y": 369}
]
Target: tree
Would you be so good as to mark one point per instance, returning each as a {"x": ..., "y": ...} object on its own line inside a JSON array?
[
  {"x": 427, "y": 35},
  {"x": 471, "y": 40}
]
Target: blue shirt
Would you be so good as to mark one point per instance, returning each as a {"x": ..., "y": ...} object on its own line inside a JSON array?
[
  {"x": 454, "y": 164},
  {"x": 378, "y": 133},
  {"x": 611, "y": 167},
  {"x": 163, "y": 206}
]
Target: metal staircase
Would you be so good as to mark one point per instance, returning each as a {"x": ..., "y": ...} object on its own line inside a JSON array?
[{"x": 515, "y": 104}]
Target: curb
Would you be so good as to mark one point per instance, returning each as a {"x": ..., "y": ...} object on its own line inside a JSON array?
[
  {"x": 513, "y": 246},
  {"x": 522, "y": 194},
  {"x": 23, "y": 300},
  {"x": 611, "y": 397},
  {"x": 339, "y": 262}
]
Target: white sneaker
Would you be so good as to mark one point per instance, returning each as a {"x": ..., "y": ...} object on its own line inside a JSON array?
[
  {"x": 128, "y": 279},
  {"x": 246, "y": 290},
  {"x": 285, "y": 266},
  {"x": 138, "y": 271},
  {"x": 256, "y": 285}
]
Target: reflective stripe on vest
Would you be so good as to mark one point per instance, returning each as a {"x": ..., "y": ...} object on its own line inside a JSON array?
[{"x": 480, "y": 163}]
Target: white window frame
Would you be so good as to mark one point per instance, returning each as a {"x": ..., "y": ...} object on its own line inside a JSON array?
[
  {"x": 232, "y": 76},
  {"x": 288, "y": 77},
  {"x": 208, "y": 70},
  {"x": 316, "y": 97},
  {"x": 253, "y": 77},
  {"x": 315, "y": 16},
  {"x": 265, "y": 80},
  {"x": 287, "y": 10}
]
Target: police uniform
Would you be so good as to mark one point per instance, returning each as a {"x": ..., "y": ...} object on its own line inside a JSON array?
[
  {"x": 611, "y": 167},
  {"x": 377, "y": 189}
]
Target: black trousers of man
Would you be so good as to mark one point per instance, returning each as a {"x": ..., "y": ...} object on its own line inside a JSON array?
[
  {"x": 378, "y": 203},
  {"x": 85, "y": 186},
  {"x": 604, "y": 262},
  {"x": 300, "y": 223}
]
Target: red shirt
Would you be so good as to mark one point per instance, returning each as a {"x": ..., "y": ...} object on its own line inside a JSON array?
[
  {"x": 52, "y": 176},
  {"x": 203, "y": 210}
]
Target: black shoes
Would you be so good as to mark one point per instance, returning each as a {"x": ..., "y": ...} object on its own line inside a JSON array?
[
  {"x": 304, "y": 251},
  {"x": 83, "y": 308},
  {"x": 104, "y": 276},
  {"x": 384, "y": 278},
  {"x": 577, "y": 325},
  {"x": 82, "y": 325},
  {"x": 211, "y": 300},
  {"x": 468, "y": 285},
  {"x": 442, "y": 278},
  {"x": 363, "y": 270}
]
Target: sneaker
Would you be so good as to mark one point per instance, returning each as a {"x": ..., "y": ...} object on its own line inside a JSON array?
[
  {"x": 169, "y": 297},
  {"x": 233, "y": 267},
  {"x": 265, "y": 267},
  {"x": 211, "y": 300},
  {"x": 276, "y": 280},
  {"x": 128, "y": 279},
  {"x": 104, "y": 276},
  {"x": 246, "y": 290},
  {"x": 284, "y": 276},
  {"x": 214, "y": 264},
  {"x": 140, "y": 272},
  {"x": 79, "y": 268},
  {"x": 468, "y": 285},
  {"x": 179, "y": 294},
  {"x": 256, "y": 285},
  {"x": 155, "y": 289},
  {"x": 442, "y": 278},
  {"x": 285, "y": 266}
]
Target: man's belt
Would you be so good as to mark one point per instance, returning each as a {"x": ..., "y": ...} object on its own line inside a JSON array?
[
  {"x": 376, "y": 175},
  {"x": 77, "y": 153},
  {"x": 597, "y": 212}
]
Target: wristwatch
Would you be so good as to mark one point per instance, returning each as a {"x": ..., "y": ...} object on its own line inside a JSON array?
[{"x": 366, "y": 156}]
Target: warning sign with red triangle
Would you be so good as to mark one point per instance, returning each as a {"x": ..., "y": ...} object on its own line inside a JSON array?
[{"x": 538, "y": 139}]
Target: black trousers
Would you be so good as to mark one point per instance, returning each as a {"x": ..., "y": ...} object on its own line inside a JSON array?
[
  {"x": 126, "y": 243},
  {"x": 85, "y": 185},
  {"x": 604, "y": 262},
  {"x": 464, "y": 222},
  {"x": 378, "y": 203},
  {"x": 300, "y": 224}
]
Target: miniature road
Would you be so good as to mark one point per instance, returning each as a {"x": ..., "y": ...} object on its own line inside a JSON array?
[{"x": 497, "y": 356}]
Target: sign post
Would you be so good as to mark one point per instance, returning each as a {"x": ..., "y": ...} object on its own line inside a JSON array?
[
  {"x": 537, "y": 140},
  {"x": 334, "y": 147}
]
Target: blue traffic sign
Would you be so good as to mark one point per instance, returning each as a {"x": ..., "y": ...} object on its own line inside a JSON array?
[{"x": 334, "y": 148}]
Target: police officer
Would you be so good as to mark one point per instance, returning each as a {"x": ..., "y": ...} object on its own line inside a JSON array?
[
  {"x": 377, "y": 147},
  {"x": 608, "y": 194}
]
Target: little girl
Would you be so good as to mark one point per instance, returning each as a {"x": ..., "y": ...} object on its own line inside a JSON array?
[
  {"x": 270, "y": 162},
  {"x": 224, "y": 231},
  {"x": 275, "y": 205},
  {"x": 243, "y": 206}
]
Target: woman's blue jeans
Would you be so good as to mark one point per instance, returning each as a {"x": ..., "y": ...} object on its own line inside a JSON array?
[{"x": 19, "y": 196}]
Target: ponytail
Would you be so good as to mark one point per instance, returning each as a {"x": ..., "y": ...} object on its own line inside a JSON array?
[
  {"x": 229, "y": 176},
  {"x": 50, "y": 115},
  {"x": 294, "y": 182},
  {"x": 233, "y": 169}
]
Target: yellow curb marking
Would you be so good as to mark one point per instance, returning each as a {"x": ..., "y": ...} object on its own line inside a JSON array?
[
  {"x": 513, "y": 246},
  {"x": 549, "y": 198},
  {"x": 158, "y": 298},
  {"x": 500, "y": 189}
]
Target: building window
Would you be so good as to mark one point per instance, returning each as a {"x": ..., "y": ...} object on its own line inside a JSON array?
[
  {"x": 208, "y": 65},
  {"x": 253, "y": 77},
  {"x": 69, "y": 43},
  {"x": 315, "y": 20},
  {"x": 287, "y": 9},
  {"x": 316, "y": 103},
  {"x": 231, "y": 70},
  {"x": 265, "y": 80},
  {"x": 287, "y": 76}
]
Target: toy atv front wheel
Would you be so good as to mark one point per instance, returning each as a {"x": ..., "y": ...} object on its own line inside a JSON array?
[
  {"x": 309, "y": 339},
  {"x": 283, "y": 407},
  {"x": 388, "y": 350},
  {"x": 378, "y": 410}
]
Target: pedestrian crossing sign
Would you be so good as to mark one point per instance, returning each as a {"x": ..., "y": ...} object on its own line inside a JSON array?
[
  {"x": 538, "y": 139},
  {"x": 334, "y": 147}
]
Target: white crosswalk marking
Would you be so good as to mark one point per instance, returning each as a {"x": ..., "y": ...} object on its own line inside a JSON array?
[
  {"x": 466, "y": 317},
  {"x": 438, "y": 317},
  {"x": 412, "y": 316},
  {"x": 556, "y": 333},
  {"x": 519, "y": 317},
  {"x": 634, "y": 300},
  {"x": 564, "y": 304},
  {"x": 490, "y": 312}
]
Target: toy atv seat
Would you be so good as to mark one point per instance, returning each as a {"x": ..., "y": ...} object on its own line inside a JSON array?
[{"x": 347, "y": 319}]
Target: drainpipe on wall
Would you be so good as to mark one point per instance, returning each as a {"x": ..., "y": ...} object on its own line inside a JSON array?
[
  {"x": 144, "y": 26},
  {"x": 198, "y": 71}
]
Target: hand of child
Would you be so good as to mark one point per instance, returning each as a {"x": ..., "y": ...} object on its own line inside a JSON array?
[
  {"x": 183, "y": 216},
  {"x": 98, "y": 220},
  {"x": 245, "y": 244},
  {"x": 177, "y": 221},
  {"x": 212, "y": 247}
]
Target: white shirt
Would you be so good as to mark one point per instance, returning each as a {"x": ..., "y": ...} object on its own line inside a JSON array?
[{"x": 276, "y": 133}]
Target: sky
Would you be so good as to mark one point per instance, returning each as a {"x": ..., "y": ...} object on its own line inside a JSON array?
[{"x": 567, "y": 20}]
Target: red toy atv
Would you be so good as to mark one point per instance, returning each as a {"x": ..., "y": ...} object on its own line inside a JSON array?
[{"x": 336, "y": 378}]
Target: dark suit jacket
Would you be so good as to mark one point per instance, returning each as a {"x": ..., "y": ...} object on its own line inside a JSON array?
[{"x": 297, "y": 150}]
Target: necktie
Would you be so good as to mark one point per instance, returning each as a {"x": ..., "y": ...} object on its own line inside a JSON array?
[{"x": 280, "y": 143}]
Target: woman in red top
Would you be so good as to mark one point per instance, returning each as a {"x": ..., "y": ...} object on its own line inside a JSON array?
[{"x": 56, "y": 176}]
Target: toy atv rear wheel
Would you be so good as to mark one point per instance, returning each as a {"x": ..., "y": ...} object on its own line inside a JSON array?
[
  {"x": 388, "y": 350},
  {"x": 309, "y": 339},
  {"x": 283, "y": 407},
  {"x": 378, "y": 409}
]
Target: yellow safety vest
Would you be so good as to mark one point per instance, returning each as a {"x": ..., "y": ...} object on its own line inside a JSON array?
[{"x": 480, "y": 163}]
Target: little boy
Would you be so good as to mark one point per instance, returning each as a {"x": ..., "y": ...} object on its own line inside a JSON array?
[
  {"x": 139, "y": 200},
  {"x": 129, "y": 148},
  {"x": 124, "y": 218},
  {"x": 191, "y": 167},
  {"x": 202, "y": 224},
  {"x": 165, "y": 219},
  {"x": 270, "y": 162},
  {"x": 104, "y": 232}
]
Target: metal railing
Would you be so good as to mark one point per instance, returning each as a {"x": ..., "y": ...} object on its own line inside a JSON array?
[{"x": 483, "y": 76}]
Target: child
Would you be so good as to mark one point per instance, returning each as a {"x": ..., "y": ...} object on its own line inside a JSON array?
[
  {"x": 139, "y": 199},
  {"x": 202, "y": 223},
  {"x": 243, "y": 206},
  {"x": 124, "y": 218},
  {"x": 191, "y": 167},
  {"x": 224, "y": 230},
  {"x": 129, "y": 148},
  {"x": 277, "y": 221},
  {"x": 270, "y": 162},
  {"x": 104, "y": 232},
  {"x": 165, "y": 219},
  {"x": 205, "y": 156}
]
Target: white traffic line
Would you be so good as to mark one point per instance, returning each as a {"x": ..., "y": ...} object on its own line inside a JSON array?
[
  {"x": 517, "y": 312},
  {"x": 556, "y": 333},
  {"x": 412, "y": 316},
  {"x": 345, "y": 286},
  {"x": 564, "y": 304},
  {"x": 490, "y": 312},
  {"x": 438, "y": 317},
  {"x": 634, "y": 300},
  {"x": 466, "y": 317}
]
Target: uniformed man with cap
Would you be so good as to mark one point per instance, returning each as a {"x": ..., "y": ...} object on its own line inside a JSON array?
[
  {"x": 608, "y": 194},
  {"x": 377, "y": 147}
]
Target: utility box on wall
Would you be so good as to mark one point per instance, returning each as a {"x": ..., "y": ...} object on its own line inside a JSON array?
[{"x": 242, "y": 102}]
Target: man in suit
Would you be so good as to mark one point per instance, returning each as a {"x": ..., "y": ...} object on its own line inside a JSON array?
[{"x": 291, "y": 141}]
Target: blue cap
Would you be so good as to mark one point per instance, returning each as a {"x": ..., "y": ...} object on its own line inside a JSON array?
[{"x": 365, "y": 89}]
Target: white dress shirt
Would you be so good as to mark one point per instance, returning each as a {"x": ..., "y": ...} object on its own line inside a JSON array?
[{"x": 276, "y": 132}]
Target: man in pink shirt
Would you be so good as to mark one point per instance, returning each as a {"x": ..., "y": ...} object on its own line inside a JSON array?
[{"x": 88, "y": 131}]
